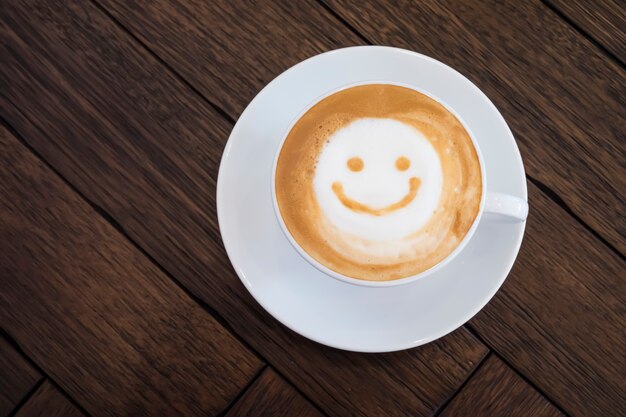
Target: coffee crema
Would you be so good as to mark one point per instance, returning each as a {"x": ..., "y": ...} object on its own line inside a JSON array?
[{"x": 378, "y": 182}]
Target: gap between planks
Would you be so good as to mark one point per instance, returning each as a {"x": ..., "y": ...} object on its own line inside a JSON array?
[
  {"x": 245, "y": 389},
  {"x": 28, "y": 395},
  {"x": 583, "y": 32},
  {"x": 448, "y": 400},
  {"x": 44, "y": 375},
  {"x": 119, "y": 24},
  {"x": 468, "y": 326}
]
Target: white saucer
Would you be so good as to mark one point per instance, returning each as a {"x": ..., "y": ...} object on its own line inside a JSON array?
[{"x": 315, "y": 305}]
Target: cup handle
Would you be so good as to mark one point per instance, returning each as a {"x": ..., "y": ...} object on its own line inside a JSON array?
[{"x": 506, "y": 205}]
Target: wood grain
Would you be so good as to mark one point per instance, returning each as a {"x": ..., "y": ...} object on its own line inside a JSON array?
[
  {"x": 17, "y": 377},
  {"x": 95, "y": 314},
  {"x": 270, "y": 395},
  {"x": 495, "y": 390},
  {"x": 229, "y": 50},
  {"x": 47, "y": 401},
  {"x": 604, "y": 20},
  {"x": 561, "y": 96},
  {"x": 138, "y": 143},
  {"x": 560, "y": 316}
]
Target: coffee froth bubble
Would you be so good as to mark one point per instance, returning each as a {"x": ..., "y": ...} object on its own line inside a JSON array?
[{"x": 378, "y": 182}]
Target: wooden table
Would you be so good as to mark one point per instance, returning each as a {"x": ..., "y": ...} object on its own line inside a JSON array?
[{"x": 117, "y": 297}]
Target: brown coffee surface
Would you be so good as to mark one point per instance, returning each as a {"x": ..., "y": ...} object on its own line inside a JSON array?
[{"x": 457, "y": 207}]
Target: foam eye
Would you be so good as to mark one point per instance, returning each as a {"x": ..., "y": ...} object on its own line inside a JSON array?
[
  {"x": 355, "y": 164},
  {"x": 403, "y": 163}
]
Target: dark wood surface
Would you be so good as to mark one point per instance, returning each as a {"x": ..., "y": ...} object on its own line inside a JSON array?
[
  {"x": 47, "y": 401},
  {"x": 496, "y": 391},
  {"x": 604, "y": 21},
  {"x": 272, "y": 396},
  {"x": 95, "y": 314},
  {"x": 114, "y": 279},
  {"x": 17, "y": 377}
]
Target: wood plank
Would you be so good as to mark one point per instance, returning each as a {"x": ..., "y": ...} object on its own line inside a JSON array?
[
  {"x": 562, "y": 97},
  {"x": 146, "y": 149},
  {"x": 95, "y": 314},
  {"x": 496, "y": 390},
  {"x": 229, "y": 50},
  {"x": 47, "y": 401},
  {"x": 560, "y": 316},
  {"x": 604, "y": 20},
  {"x": 270, "y": 395},
  {"x": 17, "y": 377}
]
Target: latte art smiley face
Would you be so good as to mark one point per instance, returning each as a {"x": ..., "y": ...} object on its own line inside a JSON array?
[
  {"x": 378, "y": 182},
  {"x": 389, "y": 191}
]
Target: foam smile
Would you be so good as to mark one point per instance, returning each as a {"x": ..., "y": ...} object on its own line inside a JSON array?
[{"x": 414, "y": 184}]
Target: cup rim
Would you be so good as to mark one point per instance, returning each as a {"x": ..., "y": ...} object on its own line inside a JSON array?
[{"x": 362, "y": 282}]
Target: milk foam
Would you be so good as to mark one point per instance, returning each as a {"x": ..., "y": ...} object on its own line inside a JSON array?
[{"x": 379, "y": 142}]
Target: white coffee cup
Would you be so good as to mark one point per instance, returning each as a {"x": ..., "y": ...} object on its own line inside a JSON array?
[{"x": 498, "y": 204}]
